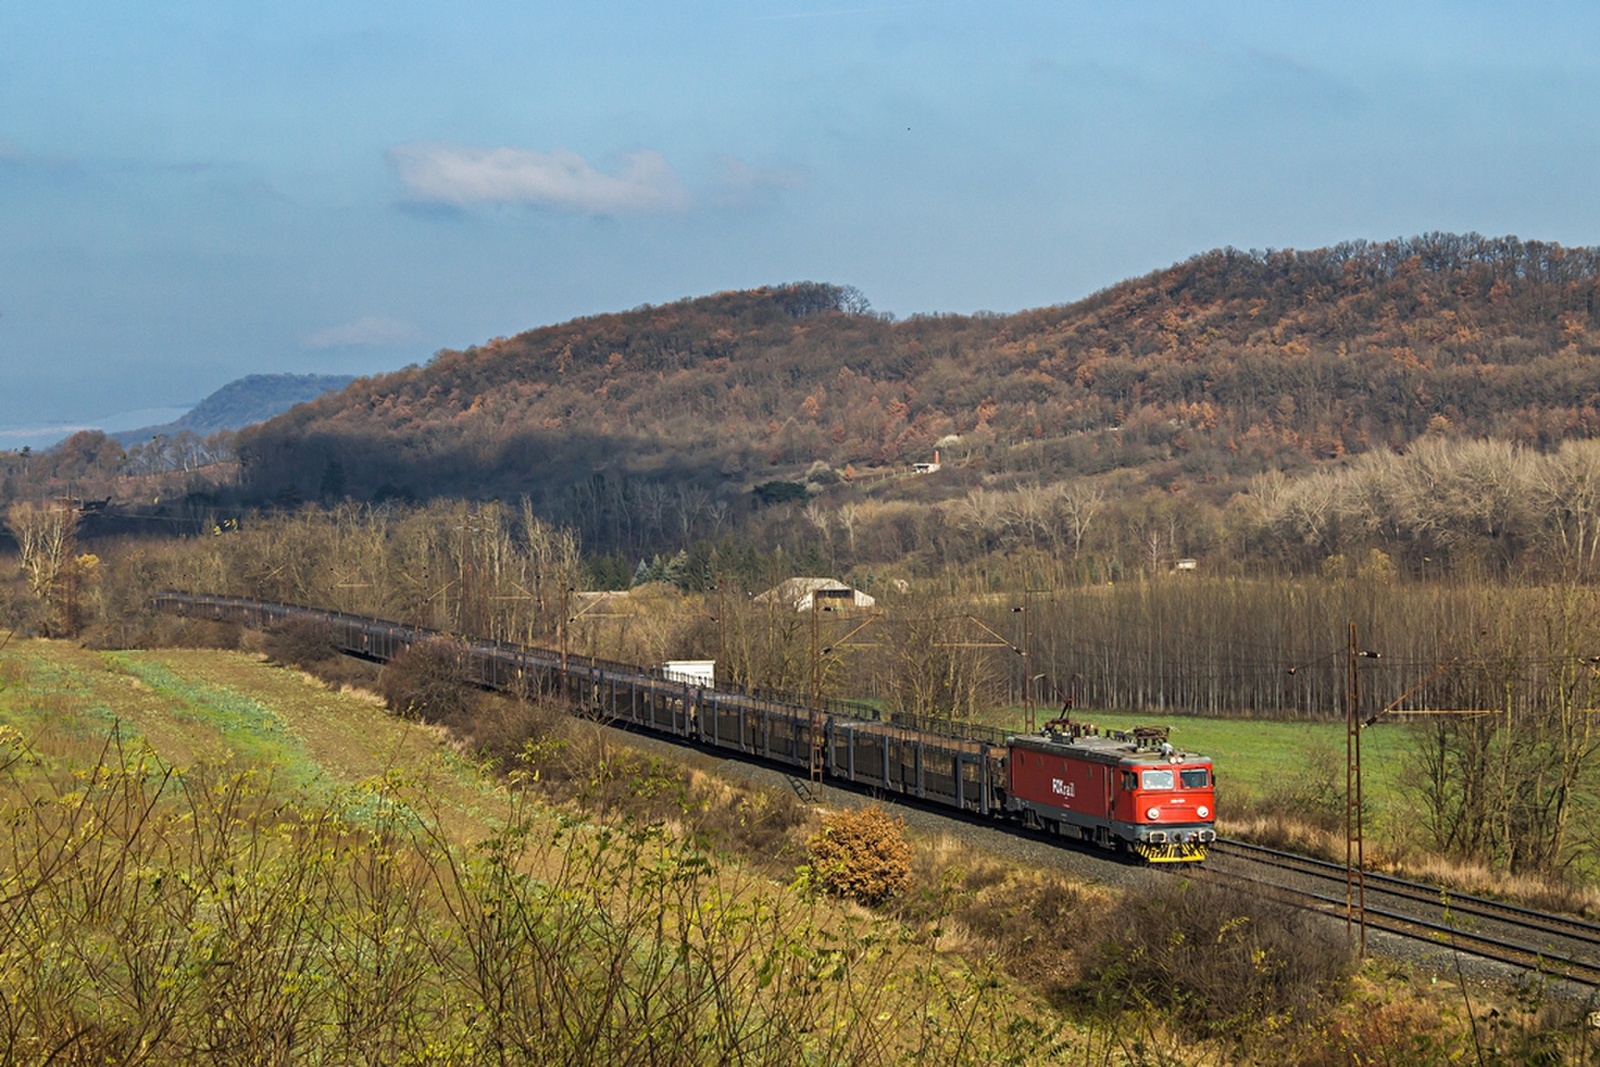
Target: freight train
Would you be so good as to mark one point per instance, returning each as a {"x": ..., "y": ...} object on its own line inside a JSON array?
[{"x": 1124, "y": 791}]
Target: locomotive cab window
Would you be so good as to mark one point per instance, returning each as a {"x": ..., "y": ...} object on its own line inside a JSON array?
[
  {"x": 1157, "y": 780},
  {"x": 1193, "y": 777}
]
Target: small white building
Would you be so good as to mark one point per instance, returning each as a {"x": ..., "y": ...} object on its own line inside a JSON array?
[
  {"x": 927, "y": 468},
  {"x": 701, "y": 672},
  {"x": 800, "y": 593}
]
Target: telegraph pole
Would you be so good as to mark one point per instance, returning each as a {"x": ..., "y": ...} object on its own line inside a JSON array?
[
  {"x": 817, "y": 718},
  {"x": 1027, "y": 656},
  {"x": 69, "y": 573},
  {"x": 722, "y": 622},
  {"x": 466, "y": 573},
  {"x": 1355, "y": 888},
  {"x": 816, "y": 691},
  {"x": 563, "y": 637},
  {"x": 1030, "y": 704}
]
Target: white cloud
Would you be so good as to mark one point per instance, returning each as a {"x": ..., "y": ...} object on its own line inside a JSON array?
[
  {"x": 440, "y": 172},
  {"x": 367, "y": 331}
]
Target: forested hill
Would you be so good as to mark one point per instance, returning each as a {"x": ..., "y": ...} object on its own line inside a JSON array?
[{"x": 1218, "y": 367}]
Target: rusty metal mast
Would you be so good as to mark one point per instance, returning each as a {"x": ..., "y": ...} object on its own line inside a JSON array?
[
  {"x": 816, "y": 692},
  {"x": 1355, "y": 888},
  {"x": 818, "y": 720}
]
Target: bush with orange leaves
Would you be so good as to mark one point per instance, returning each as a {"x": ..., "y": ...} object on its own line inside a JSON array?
[{"x": 862, "y": 854}]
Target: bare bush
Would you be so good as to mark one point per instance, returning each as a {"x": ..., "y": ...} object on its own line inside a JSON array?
[
  {"x": 757, "y": 823},
  {"x": 427, "y": 682},
  {"x": 211, "y": 920},
  {"x": 1219, "y": 963},
  {"x": 169, "y": 632},
  {"x": 862, "y": 854},
  {"x": 1035, "y": 927},
  {"x": 299, "y": 641}
]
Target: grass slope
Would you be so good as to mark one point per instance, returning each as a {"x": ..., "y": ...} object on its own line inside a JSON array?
[
  {"x": 216, "y": 708},
  {"x": 209, "y": 859}
]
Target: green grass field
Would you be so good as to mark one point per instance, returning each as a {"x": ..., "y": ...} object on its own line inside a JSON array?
[{"x": 207, "y": 707}]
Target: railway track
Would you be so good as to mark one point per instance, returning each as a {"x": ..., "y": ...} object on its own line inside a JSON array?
[{"x": 1559, "y": 946}]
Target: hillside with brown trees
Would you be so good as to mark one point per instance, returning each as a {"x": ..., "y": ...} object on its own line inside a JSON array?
[
  {"x": 1218, "y": 367},
  {"x": 1119, "y": 427}
]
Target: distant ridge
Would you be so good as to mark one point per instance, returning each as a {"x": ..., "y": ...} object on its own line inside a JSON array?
[{"x": 242, "y": 402}]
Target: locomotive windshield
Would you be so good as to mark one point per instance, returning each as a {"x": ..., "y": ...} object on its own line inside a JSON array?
[
  {"x": 1156, "y": 779},
  {"x": 1193, "y": 777}
]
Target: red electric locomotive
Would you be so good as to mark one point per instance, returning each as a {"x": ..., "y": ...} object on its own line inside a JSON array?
[{"x": 1129, "y": 790}]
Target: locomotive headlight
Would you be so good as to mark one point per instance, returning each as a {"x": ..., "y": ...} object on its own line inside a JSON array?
[
  {"x": 1203, "y": 811},
  {"x": 1153, "y": 813}
]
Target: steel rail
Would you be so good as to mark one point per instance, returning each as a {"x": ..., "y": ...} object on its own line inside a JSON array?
[
  {"x": 1481, "y": 944},
  {"x": 1496, "y": 950},
  {"x": 1565, "y": 926}
]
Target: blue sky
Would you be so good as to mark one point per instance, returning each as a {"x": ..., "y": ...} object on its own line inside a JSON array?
[{"x": 191, "y": 192}]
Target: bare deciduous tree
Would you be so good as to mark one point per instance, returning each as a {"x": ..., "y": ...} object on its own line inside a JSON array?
[
  {"x": 817, "y": 515},
  {"x": 934, "y": 660},
  {"x": 717, "y": 512},
  {"x": 1080, "y": 503},
  {"x": 848, "y": 515},
  {"x": 45, "y": 538},
  {"x": 692, "y": 500},
  {"x": 1567, "y": 493}
]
